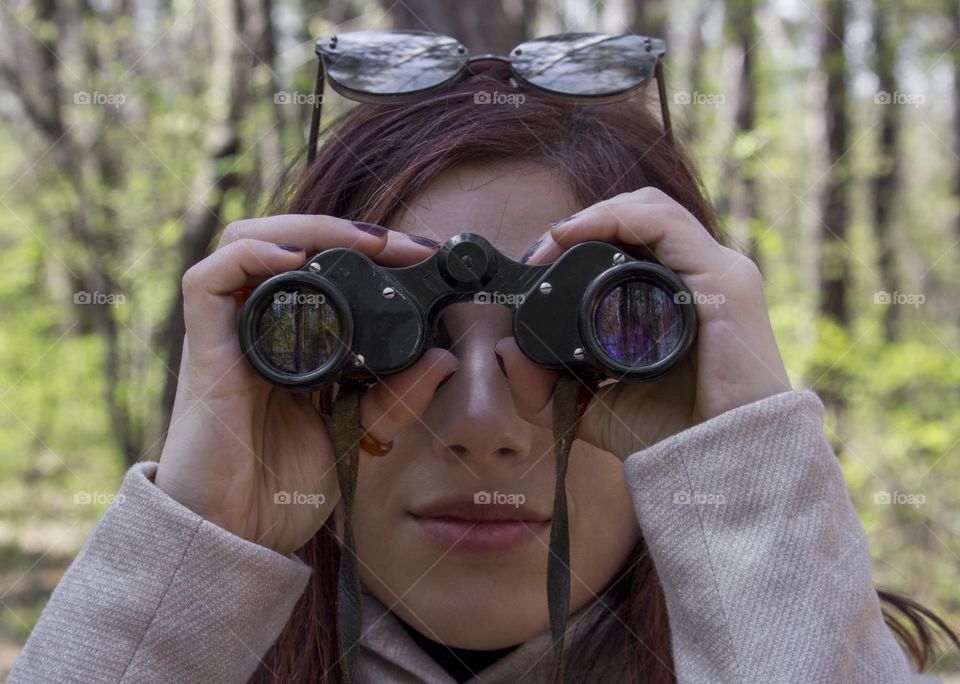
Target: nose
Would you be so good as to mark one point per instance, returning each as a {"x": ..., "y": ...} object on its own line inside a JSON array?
[{"x": 472, "y": 417}]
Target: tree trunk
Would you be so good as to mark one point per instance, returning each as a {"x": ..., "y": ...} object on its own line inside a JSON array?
[
  {"x": 955, "y": 54},
  {"x": 481, "y": 25},
  {"x": 834, "y": 264},
  {"x": 885, "y": 180},
  {"x": 739, "y": 194},
  {"x": 650, "y": 18},
  {"x": 204, "y": 219}
]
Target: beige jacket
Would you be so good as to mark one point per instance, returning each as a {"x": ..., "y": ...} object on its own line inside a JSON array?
[{"x": 763, "y": 562}]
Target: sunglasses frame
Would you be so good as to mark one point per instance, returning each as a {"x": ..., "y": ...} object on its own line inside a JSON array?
[{"x": 326, "y": 47}]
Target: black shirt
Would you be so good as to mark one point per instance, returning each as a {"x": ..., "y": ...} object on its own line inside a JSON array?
[{"x": 460, "y": 663}]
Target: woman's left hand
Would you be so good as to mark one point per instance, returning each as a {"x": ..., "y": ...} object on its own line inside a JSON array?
[{"x": 735, "y": 360}]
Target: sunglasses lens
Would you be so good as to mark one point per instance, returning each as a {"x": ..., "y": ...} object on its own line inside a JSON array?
[
  {"x": 587, "y": 63},
  {"x": 299, "y": 331},
  {"x": 637, "y": 323},
  {"x": 391, "y": 62}
]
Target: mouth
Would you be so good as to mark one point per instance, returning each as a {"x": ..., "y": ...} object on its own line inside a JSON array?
[{"x": 467, "y": 524}]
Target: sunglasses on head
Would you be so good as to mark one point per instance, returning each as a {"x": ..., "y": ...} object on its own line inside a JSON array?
[{"x": 396, "y": 67}]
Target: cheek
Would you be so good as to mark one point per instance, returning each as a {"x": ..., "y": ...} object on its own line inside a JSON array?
[{"x": 604, "y": 527}]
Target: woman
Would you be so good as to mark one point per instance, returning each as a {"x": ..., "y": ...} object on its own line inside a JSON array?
[{"x": 712, "y": 537}]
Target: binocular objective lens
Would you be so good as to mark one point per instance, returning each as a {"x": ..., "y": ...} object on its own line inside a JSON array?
[
  {"x": 298, "y": 331},
  {"x": 637, "y": 323}
]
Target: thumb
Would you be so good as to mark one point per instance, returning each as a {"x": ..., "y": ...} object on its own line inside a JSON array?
[
  {"x": 399, "y": 399},
  {"x": 531, "y": 385}
]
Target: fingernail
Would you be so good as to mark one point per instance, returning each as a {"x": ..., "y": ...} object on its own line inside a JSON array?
[
  {"x": 529, "y": 253},
  {"x": 290, "y": 248},
  {"x": 426, "y": 242},
  {"x": 447, "y": 377},
  {"x": 503, "y": 368},
  {"x": 370, "y": 228},
  {"x": 554, "y": 224}
]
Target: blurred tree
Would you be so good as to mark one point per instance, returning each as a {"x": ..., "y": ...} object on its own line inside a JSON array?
[
  {"x": 741, "y": 202},
  {"x": 483, "y": 26},
  {"x": 649, "y": 18},
  {"x": 889, "y": 160},
  {"x": 91, "y": 171},
  {"x": 250, "y": 24},
  {"x": 953, "y": 9},
  {"x": 834, "y": 266}
]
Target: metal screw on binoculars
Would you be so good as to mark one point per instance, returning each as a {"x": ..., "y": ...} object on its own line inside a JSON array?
[{"x": 594, "y": 312}]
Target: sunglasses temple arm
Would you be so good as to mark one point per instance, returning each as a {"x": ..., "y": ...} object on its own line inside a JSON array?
[
  {"x": 664, "y": 108},
  {"x": 315, "y": 116}
]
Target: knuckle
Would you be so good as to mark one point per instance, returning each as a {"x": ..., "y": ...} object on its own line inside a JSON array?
[
  {"x": 745, "y": 273},
  {"x": 190, "y": 282},
  {"x": 672, "y": 213},
  {"x": 235, "y": 230},
  {"x": 243, "y": 246},
  {"x": 650, "y": 193}
]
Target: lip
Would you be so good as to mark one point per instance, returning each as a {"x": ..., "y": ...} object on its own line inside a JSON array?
[{"x": 458, "y": 523}]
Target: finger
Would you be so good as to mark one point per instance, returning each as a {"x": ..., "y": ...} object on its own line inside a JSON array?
[
  {"x": 531, "y": 385},
  {"x": 209, "y": 307},
  {"x": 652, "y": 218},
  {"x": 405, "y": 250},
  {"x": 317, "y": 232},
  {"x": 313, "y": 232},
  {"x": 543, "y": 251},
  {"x": 399, "y": 399}
]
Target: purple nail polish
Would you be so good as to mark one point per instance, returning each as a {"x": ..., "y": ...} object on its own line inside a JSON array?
[
  {"x": 529, "y": 253},
  {"x": 426, "y": 242},
  {"x": 370, "y": 228},
  {"x": 290, "y": 248}
]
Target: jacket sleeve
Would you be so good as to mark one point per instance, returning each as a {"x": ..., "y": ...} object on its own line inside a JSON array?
[
  {"x": 159, "y": 594},
  {"x": 763, "y": 561}
]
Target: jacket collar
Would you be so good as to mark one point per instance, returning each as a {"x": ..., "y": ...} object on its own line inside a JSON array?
[{"x": 386, "y": 648}]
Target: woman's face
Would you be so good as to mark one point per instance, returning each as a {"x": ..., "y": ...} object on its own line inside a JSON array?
[{"x": 487, "y": 590}]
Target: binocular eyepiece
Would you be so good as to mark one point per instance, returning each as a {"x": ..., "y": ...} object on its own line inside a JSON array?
[{"x": 595, "y": 312}]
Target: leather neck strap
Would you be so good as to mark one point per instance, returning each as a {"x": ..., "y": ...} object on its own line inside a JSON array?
[
  {"x": 568, "y": 401},
  {"x": 345, "y": 429}
]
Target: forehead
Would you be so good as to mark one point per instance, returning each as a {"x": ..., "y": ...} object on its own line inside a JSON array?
[{"x": 511, "y": 204}]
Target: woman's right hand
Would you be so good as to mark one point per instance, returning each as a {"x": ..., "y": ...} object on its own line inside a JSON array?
[{"x": 234, "y": 440}]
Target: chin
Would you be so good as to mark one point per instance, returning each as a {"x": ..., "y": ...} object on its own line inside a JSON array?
[{"x": 479, "y": 612}]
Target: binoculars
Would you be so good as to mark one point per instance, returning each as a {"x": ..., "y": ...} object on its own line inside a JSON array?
[{"x": 595, "y": 312}]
